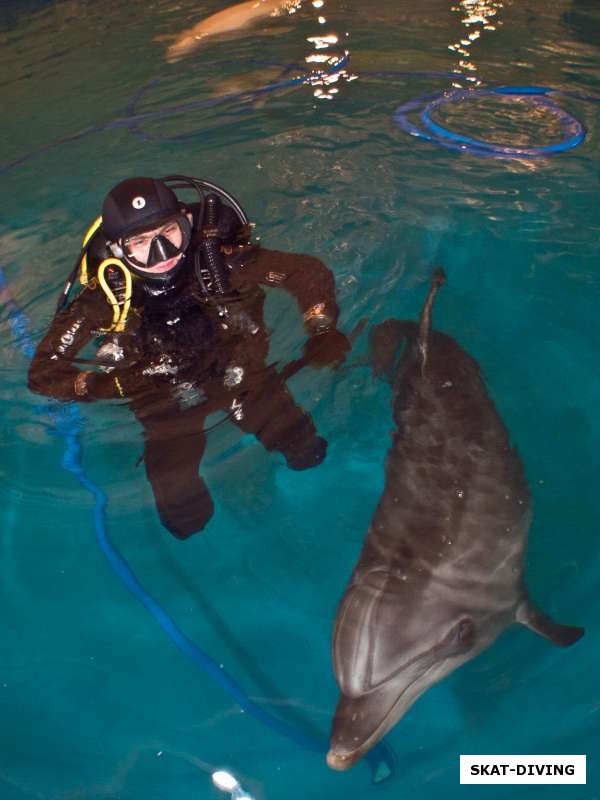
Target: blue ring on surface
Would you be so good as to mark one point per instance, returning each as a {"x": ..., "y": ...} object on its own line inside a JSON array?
[
  {"x": 448, "y": 139},
  {"x": 573, "y": 131}
]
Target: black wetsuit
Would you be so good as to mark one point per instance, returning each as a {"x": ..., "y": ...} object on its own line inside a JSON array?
[{"x": 180, "y": 358}]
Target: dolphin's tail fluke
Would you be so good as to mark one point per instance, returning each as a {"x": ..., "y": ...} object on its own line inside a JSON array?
[{"x": 538, "y": 622}]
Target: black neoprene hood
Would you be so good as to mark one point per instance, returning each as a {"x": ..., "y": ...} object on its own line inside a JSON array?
[{"x": 136, "y": 203}]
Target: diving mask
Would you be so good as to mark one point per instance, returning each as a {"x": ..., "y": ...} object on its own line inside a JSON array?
[{"x": 151, "y": 248}]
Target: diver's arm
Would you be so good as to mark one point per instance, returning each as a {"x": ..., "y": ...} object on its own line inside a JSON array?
[
  {"x": 306, "y": 278},
  {"x": 51, "y": 371},
  {"x": 311, "y": 283}
]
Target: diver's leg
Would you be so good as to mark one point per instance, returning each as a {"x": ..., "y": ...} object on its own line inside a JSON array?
[
  {"x": 173, "y": 447},
  {"x": 272, "y": 415}
]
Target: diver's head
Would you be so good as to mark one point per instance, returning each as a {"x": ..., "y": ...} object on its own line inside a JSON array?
[{"x": 147, "y": 227}]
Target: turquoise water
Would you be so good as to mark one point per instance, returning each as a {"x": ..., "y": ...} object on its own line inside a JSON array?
[{"x": 95, "y": 701}]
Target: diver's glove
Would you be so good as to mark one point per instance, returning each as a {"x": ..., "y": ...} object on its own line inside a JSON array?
[
  {"x": 91, "y": 386},
  {"x": 326, "y": 347}
]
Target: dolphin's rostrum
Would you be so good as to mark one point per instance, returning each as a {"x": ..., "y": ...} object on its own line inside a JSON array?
[{"x": 440, "y": 575}]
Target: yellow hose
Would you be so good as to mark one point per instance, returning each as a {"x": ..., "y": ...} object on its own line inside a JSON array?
[
  {"x": 83, "y": 275},
  {"x": 119, "y": 314}
]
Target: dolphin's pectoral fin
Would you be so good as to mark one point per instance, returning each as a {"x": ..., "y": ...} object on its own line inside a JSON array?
[
  {"x": 538, "y": 622},
  {"x": 358, "y": 329},
  {"x": 384, "y": 344}
]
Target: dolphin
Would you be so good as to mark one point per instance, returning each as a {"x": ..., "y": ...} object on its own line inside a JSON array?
[
  {"x": 440, "y": 575},
  {"x": 227, "y": 22}
]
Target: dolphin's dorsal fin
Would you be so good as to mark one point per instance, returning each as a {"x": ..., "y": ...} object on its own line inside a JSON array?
[
  {"x": 385, "y": 338},
  {"x": 538, "y": 622},
  {"x": 438, "y": 279}
]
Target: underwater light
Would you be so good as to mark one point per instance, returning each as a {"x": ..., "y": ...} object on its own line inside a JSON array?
[{"x": 227, "y": 783}]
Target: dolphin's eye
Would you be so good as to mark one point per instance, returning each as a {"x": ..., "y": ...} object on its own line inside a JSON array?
[{"x": 465, "y": 633}]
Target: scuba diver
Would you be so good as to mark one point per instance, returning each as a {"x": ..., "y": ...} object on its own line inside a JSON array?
[{"x": 172, "y": 297}]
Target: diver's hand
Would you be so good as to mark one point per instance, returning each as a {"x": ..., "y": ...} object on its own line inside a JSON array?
[
  {"x": 91, "y": 386},
  {"x": 327, "y": 348}
]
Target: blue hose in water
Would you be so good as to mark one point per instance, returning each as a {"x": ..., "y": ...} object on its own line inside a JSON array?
[
  {"x": 573, "y": 131},
  {"x": 247, "y": 97},
  {"x": 133, "y": 120},
  {"x": 66, "y": 421}
]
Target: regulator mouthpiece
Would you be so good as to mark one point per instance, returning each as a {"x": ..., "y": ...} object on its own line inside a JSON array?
[{"x": 227, "y": 783}]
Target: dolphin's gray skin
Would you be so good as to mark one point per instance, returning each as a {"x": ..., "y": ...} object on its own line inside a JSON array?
[{"x": 440, "y": 575}]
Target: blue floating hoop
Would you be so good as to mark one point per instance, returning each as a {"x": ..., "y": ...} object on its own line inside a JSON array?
[{"x": 573, "y": 131}]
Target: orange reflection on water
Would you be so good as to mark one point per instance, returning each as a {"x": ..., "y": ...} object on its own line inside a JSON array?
[
  {"x": 326, "y": 52},
  {"x": 478, "y": 16}
]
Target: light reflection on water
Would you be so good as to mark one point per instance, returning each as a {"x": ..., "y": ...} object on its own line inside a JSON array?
[{"x": 478, "y": 17}]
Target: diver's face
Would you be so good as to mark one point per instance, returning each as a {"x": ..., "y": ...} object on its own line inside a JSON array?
[{"x": 138, "y": 247}]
